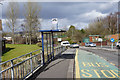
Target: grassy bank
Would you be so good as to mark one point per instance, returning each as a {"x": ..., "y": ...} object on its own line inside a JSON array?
[{"x": 15, "y": 50}]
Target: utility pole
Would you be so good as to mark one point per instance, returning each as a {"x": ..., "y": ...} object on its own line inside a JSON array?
[
  {"x": 118, "y": 19},
  {"x": 72, "y": 32},
  {"x": 57, "y": 26},
  {"x": 118, "y": 26}
]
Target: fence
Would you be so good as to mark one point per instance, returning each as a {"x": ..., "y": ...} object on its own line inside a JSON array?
[{"x": 16, "y": 69}]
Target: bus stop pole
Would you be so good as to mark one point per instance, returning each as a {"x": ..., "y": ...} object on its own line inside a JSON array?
[
  {"x": 52, "y": 45},
  {"x": 43, "y": 48},
  {"x": 57, "y": 26},
  {"x": 112, "y": 45},
  {"x": 101, "y": 44}
]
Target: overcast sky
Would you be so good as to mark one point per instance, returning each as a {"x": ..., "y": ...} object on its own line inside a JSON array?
[{"x": 79, "y": 14}]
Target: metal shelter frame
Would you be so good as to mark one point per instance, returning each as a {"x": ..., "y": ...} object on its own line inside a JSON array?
[{"x": 49, "y": 35}]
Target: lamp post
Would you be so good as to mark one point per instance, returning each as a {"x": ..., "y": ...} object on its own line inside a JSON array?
[{"x": 118, "y": 13}]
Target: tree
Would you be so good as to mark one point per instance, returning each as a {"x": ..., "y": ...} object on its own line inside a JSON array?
[
  {"x": 4, "y": 34},
  {"x": 103, "y": 26},
  {"x": 71, "y": 31},
  {"x": 32, "y": 19},
  {"x": 75, "y": 35},
  {"x": 111, "y": 23},
  {"x": 24, "y": 29},
  {"x": 12, "y": 15}
]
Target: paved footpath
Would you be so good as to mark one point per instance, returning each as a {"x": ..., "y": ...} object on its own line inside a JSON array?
[
  {"x": 89, "y": 65},
  {"x": 60, "y": 67}
]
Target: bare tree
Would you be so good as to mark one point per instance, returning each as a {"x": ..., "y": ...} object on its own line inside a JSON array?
[
  {"x": 32, "y": 19},
  {"x": 24, "y": 29},
  {"x": 12, "y": 15},
  {"x": 103, "y": 26}
]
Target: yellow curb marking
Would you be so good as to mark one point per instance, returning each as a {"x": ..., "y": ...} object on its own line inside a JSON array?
[
  {"x": 77, "y": 65},
  {"x": 112, "y": 64}
]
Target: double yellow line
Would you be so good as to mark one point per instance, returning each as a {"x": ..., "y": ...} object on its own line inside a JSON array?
[{"x": 77, "y": 65}]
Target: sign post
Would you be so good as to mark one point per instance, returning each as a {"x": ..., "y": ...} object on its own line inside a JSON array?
[
  {"x": 100, "y": 39},
  {"x": 101, "y": 43},
  {"x": 112, "y": 45},
  {"x": 112, "y": 40}
]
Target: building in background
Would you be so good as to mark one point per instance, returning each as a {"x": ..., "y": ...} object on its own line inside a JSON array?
[
  {"x": 115, "y": 36},
  {"x": 109, "y": 37},
  {"x": 94, "y": 38}
]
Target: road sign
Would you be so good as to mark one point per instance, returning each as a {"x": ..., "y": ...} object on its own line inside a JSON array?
[
  {"x": 54, "y": 21},
  {"x": 112, "y": 40},
  {"x": 100, "y": 39},
  {"x": 59, "y": 39}
]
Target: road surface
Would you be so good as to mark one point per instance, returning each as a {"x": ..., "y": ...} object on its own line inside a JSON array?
[
  {"x": 110, "y": 56},
  {"x": 89, "y": 66}
]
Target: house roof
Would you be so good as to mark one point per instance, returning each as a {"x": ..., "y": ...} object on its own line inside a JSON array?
[{"x": 94, "y": 35}]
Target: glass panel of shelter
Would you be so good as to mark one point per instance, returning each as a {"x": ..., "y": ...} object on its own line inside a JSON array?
[{"x": 48, "y": 51}]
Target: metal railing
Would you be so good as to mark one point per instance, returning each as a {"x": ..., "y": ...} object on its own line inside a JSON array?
[{"x": 22, "y": 66}]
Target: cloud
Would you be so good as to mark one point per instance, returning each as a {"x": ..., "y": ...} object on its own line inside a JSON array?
[
  {"x": 108, "y": 7},
  {"x": 80, "y": 21},
  {"x": 62, "y": 23},
  {"x": 78, "y": 14},
  {"x": 94, "y": 14}
]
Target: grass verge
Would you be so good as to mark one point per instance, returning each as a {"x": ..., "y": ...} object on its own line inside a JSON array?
[{"x": 15, "y": 50}]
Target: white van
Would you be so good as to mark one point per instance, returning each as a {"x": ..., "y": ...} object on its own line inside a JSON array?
[{"x": 65, "y": 43}]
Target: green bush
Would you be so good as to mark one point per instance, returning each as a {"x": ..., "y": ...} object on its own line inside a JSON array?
[
  {"x": 68, "y": 39},
  {"x": 39, "y": 44}
]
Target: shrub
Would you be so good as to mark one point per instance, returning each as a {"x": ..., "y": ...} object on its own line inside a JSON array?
[
  {"x": 39, "y": 44},
  {"x": 34, "y": 40}
]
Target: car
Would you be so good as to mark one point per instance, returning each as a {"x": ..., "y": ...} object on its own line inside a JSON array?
[
  {"x": 90, "y": 44},
  {"x": 74, "y": 45},
  {"x": 118, "y": 44},
  {"x": 65, "y": 43}
]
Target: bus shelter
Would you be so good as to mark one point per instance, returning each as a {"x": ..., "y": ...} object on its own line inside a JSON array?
[{"x": 48, "y": 44}]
